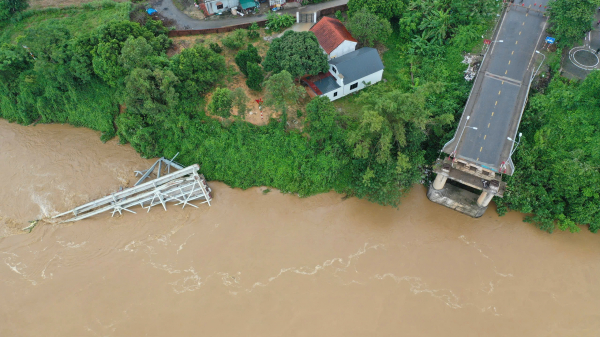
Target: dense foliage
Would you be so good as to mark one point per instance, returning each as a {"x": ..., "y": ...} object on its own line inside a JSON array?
[
  {"x": 239, "y": 101},
  {"x": 256, "y": 76},
  {"x": 558, "y": 177},
  {"x": 278, "y": 22},
  {"x": 368, "y": 28},
  {"x": 247, "y": 55},
  {"x": 570, "y": 20},
  {"x": 236, "y": 39},
  {"x": 298, "y": 53},
  {"x": 221, "y": 103},
  {"x": 8, "y": 8},
  {"x": 282, "y": 91}
]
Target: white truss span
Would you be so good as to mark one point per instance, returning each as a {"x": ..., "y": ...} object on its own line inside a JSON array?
[{"x": 182, "y": 187}]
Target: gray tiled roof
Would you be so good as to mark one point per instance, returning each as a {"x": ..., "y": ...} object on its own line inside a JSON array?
[
  {"x": 327, "y": 84},
  {"x": 358, "y": 64}
]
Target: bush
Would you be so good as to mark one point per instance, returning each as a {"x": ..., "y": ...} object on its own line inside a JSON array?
[
  {"x": 9, "y": 8},
  {"x": 235, "y": 40},
  {"x": 339, "y": 16},
  {"x": 216, "y": 48},
  {"x": 221, "y": 103},
  {"x": 255, "y": 76},
  {"x": 279, "y": 22},
  {"x": 239, "y": 99},
  {"x": 248, "y": 55},
  {"x": 253, "y": 31}
]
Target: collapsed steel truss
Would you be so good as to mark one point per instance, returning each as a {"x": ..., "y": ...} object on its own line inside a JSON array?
[{"x": 182, "y": 186}]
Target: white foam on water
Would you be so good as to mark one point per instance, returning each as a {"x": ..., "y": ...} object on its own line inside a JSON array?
[
  {"x": 341, "y": 265},
  {"x": 183, "y": 244},
  {"x": 418, "y": 287},
  {"x": 45, "y": 206},
  {"x": 18, "y": 268}
]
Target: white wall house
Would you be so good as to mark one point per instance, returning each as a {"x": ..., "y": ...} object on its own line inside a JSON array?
[
  {"x": 350, "y": 73},
  {"x": 344, "y": 48},
  {"x": 333, "y": 37}
]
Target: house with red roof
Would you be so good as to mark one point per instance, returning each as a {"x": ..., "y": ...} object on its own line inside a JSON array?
[{"x": 333, "y": 37}]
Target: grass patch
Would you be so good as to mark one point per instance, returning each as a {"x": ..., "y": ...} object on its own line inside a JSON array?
[{"x": 78, "y": 20}]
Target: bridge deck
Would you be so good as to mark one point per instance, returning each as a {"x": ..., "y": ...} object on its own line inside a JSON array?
[{"x": 500, "y": 90}]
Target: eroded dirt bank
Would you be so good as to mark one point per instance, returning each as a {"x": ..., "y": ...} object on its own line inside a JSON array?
[{"x": 269, "y": 265}]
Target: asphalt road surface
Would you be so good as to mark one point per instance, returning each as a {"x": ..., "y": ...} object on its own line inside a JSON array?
[{"x": 497, "y": 104}]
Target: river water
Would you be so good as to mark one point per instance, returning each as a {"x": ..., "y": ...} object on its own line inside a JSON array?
[{"x": 270, "y": 264}]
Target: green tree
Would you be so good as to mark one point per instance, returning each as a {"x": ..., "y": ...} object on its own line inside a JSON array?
[
  {"x": 136, "y": 53},
  {"x": 282, "y": 91},
  {"x": 221, "y": 103},
  {"x": 557, "y": 177},
  {"x": 253, "y": 31},
  {"x": 368, "y": 28},
  {"x": 256, "y": 76},
  {"x": 198, "y": 69},
  {"x": 247, "y": 55},
  {"x": 9, "y": 7},
  {"x": 324, "y": 122},
  {"x": 571, "y": 19},
  {"x": 150, "y": 94},
  {"x": 235, "y": 40},
  {"x": 383, "y": 9},
  {"x": 388, "y": 119},
  {"x": 298, "y": 53},
  {"x": 277, "y": 22},
  {"x": 239, "y": 101}
]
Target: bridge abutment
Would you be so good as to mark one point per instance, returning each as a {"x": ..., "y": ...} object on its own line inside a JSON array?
[
  {"x": 487, "y": 194},
  {"x": 440, "y": 179},
  {"x": 464, "y": 199}
]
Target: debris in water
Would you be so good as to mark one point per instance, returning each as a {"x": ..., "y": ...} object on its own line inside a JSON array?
[{"x": 31, "y": 226}]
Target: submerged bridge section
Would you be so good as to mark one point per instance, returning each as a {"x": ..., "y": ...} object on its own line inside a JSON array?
[
  {"x": 182, "y": 186},
  {"x": 480, "y": 151}
]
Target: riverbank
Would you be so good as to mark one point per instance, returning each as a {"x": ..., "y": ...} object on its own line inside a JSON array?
[{"x": 270, "y": 264}]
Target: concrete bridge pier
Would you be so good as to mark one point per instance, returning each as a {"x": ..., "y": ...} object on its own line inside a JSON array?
[
  {"x": 489, "y": 193},
  {"x": 440, "y": 179}
]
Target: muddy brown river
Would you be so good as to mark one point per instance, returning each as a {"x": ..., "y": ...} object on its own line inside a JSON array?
[{"x": 271, "y": 264}]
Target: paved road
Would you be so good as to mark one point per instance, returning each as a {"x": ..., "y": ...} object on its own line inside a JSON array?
[
  {"x": 500, "y": 91},
  {"x": 167, "y": 9},
  {"x": 590, "y": 44}
]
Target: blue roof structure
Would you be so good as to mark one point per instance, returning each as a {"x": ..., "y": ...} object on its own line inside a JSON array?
[
  {"x": 151, "y": 11},
  {"x": 327, "y": 84}
]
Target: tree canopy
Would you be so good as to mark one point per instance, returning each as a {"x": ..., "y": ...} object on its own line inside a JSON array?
[
  {"x": 298, "y": 53},
  {"x": 249, "y": 54},
  {"x": 384, "y": 9},
  {"x": 281, "y": 91},
  {"x": 571, "y": 19},
  {"x": 557, "y": 176},
  {"x": 368, "y": 28},
  {"x": 9, "y": 7}
]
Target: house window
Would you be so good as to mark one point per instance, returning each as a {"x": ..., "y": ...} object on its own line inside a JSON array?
[
  {"x": 335, "y": 94},
  {"x": 219, "y": 5},
  {"x": 354, "y": 86},
  {"x": 334, "y": 70}
]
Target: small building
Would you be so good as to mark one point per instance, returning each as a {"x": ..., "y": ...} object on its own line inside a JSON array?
[
  {"x": 348, "y": 74},
  {"x": 220, "y": 6},
  {"x": 333, "y": 37}
]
